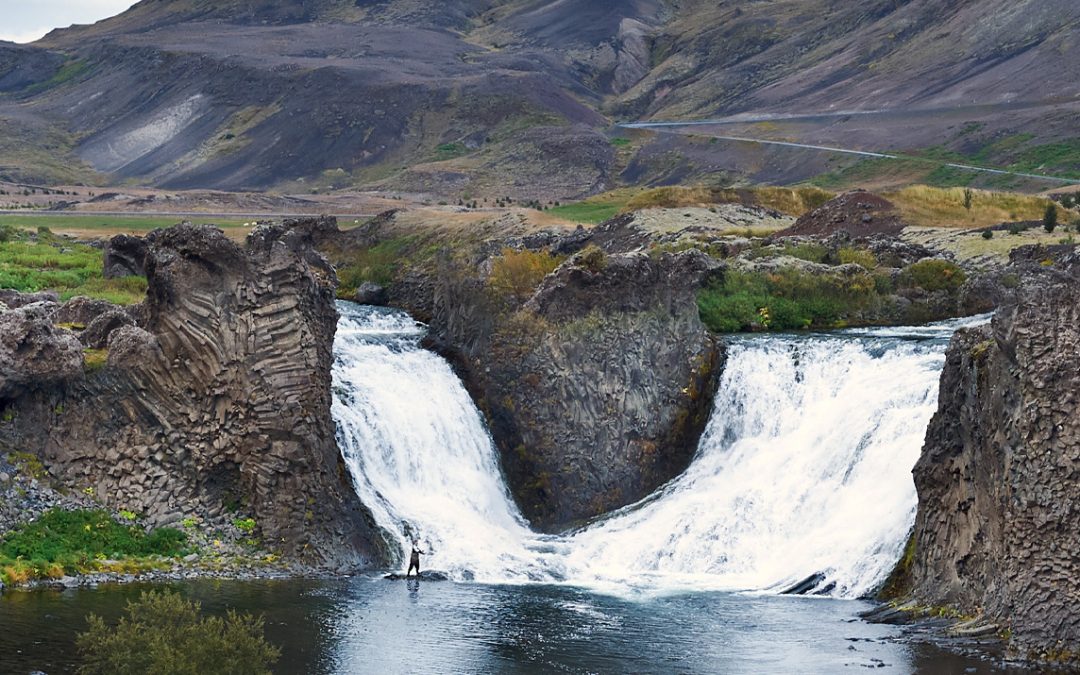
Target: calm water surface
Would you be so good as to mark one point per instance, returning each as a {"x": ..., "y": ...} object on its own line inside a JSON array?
[{"x": 367, "y": 625}]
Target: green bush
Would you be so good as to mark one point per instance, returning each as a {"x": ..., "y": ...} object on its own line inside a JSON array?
[
  {"x": 378, "y": 264},
  {"x": 988, "y": 234},
  {"x": 166, "y": 635},
  {"x": 935, "y": 274},
  {"x": 1050, "y": 217}
]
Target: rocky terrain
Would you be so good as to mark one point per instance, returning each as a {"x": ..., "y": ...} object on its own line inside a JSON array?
[
  {"x": 996, "y": 530},
  {"x": 188, "y": 94},
  {"x": 210, "y": 399}
]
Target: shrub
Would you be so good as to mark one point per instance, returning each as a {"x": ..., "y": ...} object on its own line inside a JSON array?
[
  {"x": 1050, "y": 217},
  {"x": 857, "y": 256},
  {"x": 988, "y": 234},
  {"x": 1016, "y": 228},
  {"x": 935, "y": 274},
  {"x": 246, "y": 525},
  {"x": 165, "y": 634},
  {"x": 517, "y": 273},
  {"x": 593, "y": 258}
]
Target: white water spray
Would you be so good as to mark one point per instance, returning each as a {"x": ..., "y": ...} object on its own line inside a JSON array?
[{"x": 804, "y": 469}]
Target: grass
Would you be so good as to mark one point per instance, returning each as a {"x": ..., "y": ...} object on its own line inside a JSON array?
[
  {"x": 378, "y": 264},
  {"x": 62, "y": 222},
  {"x": 927, "y": 206},
  {"x": 62, "y": 542},
  {"x": 46, "y": 262},
  {"x": 785, "y": 300},
  {"x": 793, "y": 201}
]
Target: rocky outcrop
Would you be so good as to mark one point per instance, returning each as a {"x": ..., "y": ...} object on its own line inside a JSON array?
[
  {"x": 858, "y": 213},
  {"x": 999, "y": 477},
  {"x": 217, "y": 403},
  {"x": 596, "y": 389},
  {"x": 33, "y": 352},
  {"x": 125, "y": 256}
]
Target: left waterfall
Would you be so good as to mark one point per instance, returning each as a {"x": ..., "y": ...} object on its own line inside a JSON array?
[{"x": 420, "y": 456}]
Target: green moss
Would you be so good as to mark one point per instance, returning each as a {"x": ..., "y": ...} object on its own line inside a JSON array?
[
  {"x": 898, "y": 584},
  {"x": 95, "y": 359},
  {"x": 379, "y": 264},
  {"x": 28, "y": 464}
]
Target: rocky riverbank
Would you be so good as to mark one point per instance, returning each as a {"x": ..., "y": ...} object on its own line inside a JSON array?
[{"x": 210, "y": 400}]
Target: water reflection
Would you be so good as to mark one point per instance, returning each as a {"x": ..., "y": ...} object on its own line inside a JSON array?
[{"x": 368, "y": 625}]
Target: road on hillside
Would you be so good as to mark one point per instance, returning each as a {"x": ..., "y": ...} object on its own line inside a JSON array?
[{"x": 670, "y": 127}]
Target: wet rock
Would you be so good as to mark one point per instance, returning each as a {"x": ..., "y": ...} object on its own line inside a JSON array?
[
  {"x": 371, "y": 294},
  {"x": 426, "y": 575}
]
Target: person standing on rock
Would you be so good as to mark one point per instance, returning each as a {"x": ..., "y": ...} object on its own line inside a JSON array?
[{"x": 414, "y": 559}]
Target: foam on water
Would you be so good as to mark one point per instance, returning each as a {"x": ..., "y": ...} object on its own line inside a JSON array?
[{"x": 804, "y": 468}]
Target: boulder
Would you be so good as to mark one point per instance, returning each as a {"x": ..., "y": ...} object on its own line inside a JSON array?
[
  {"x": 33, "y": 352},
  {"x": 125, "y": 256},
  {"x": 371, "y": 294},
  {"x": 220, "y": 397}
]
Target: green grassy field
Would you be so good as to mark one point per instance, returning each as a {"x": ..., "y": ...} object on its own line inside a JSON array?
[
  {"x": 36, "y": 262},
  {"x": 62, "y": 222}
]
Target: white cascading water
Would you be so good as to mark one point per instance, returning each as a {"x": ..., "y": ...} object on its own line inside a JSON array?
[{"x": 804, "y": 469}]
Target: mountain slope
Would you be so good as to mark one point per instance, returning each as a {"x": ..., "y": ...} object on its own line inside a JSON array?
[{"x": 516, "y": 96}]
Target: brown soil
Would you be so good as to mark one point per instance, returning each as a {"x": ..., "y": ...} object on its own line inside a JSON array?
[{"x": 858, "y": 213}]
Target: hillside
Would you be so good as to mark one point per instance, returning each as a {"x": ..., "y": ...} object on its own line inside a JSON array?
[{"x": 518, "y": 97}]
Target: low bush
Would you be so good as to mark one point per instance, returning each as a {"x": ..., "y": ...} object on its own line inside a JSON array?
[
  {"x": 165, "y": 634},
  {"x": 934, "y": 275},
  {"x": 516, "y": 274}
]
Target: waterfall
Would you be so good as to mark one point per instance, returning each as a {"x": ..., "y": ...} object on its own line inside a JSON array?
[{"x": 804, "y": 468}]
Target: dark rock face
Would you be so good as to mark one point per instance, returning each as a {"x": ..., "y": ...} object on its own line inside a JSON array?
[
  {"x": 125, "y": 256},
  {"x": 997, "y": 529},
  {"x": 218, "y": 401},
  {"x": 597, "y": 389}
]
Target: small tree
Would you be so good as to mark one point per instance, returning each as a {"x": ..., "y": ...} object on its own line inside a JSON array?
[
  {"x": 164, "y": 634},
  {"x": 1050, "y": 217},
  {"x": 969, "y": 197}
]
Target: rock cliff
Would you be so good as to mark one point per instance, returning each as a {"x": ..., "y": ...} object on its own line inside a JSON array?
[
  {"x": 214, "y": 400},
  {"x": 999, "y": 478}
]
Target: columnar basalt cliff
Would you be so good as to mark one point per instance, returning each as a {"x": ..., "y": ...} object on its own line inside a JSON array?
[
  {"x": 215, "y": 396},
  {"x": 999, "y": 479}
]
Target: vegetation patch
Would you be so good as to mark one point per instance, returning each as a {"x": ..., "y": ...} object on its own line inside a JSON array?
[
  {"x": 787, "y": 299},
  {"x": 516, "y": 274},
  {"x": 378, "y": 264},
  {"x": 927, "y": 206},
  {"x": 45, "y": 262},
  {"x": 934, "y": 275},
  {"x": 166, "y": 634},
  {"x": 62, "y": 541}
]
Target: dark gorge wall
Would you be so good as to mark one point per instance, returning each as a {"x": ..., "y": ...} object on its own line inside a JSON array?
[
  {"x": 215, "y": 396},
  {"x": 998, "y": 527}
]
